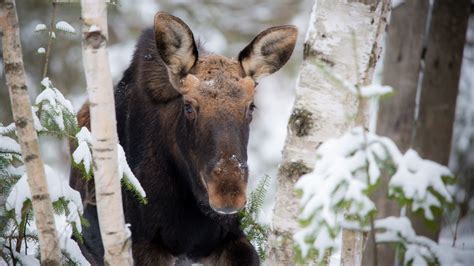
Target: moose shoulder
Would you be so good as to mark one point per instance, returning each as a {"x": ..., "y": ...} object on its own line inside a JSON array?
[{"x": 183, "y": 119}]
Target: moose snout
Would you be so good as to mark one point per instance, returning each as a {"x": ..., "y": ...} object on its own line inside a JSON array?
[
  {"x": 227, "y": 196},
  {"x": 227, "y": 186}
]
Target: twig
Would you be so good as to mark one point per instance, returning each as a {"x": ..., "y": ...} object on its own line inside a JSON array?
[
  {"x": 22, "y": 227},
  {"x": 11, "y": 252},
  {"x": 24, "y": 234},
  {"x": 50, "y": 39}
]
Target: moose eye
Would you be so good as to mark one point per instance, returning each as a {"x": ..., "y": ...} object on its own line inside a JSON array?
[
  {"x": 250, "y": 110},
  {"x": 252, "y": 107},
  {"x": 189, "y": 111}
]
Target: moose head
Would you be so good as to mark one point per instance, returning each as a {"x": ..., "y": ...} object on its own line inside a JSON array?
[{"x": 216, "y": 106}]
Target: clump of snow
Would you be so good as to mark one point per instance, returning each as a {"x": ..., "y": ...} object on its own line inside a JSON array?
[
  {"x": 396, "y": 3},
  {"x": 66, "y": 27},
  {"x": 55, "y": 96},
  {"x": 209, "y": 83},
  {"x": 67, "y": 244},
  {"x": 82, "y": 154},
  {"x": 53, "y": 101},
  {"x": 126, "y": 172},
  {"x": 418, "y": 180},
  {"x": 36, "y": 120},
  {"x": 41, "y": 50},
  {"x": 29, "y": 260},
  {"x": 40, "y": 27},
  {"x": 375, "y": 90},
  {"x": 94, "y": 28},
  {"x": 84, "y": 135},
  {"x": 57, "y": 188},
  {"x": 346, "y": 169},
  {"x": 9, "y": 145},
  {"x": 420, "y": 250},
  {"x": 8, "y": 129}
]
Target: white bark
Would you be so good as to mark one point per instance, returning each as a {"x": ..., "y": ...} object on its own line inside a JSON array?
[
  {"x": 115, "y": 235},
  {"x": 21, "y": 106},
  {"x": 344, "y": 37}
]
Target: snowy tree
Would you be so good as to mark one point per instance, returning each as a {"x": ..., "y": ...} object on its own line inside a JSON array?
[
  {"x": 343, "y": 38},
  {"x": 116, "y": 237},
  {"x": 414, "y": 28},
  {"x": 16, "y": 232},
  {"x": 336, "y": 195},
  {"x": 404, "y": 42},
  {"x": 52, "y": 114}
]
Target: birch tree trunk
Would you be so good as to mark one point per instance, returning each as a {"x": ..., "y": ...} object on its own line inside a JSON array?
[
  {"x": 115, "y": 235},
  {"x": 27, "y": 137},
  {"x": 345, "y": 38}
]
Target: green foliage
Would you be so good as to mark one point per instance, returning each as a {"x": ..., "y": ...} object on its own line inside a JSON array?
[
  {"x": 257, "y": 233},
  {"x": 347, "y": 172},
  {"x": 130, "y": 187},
  {"x": 54, "y": 112}
]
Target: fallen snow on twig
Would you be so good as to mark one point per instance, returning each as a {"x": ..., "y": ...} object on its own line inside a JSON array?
[{"x": 66, "y": 27}]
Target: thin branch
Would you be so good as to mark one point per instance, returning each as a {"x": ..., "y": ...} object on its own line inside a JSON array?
[
  {"x": 50, "y": 40},
  {"x": 11, "y": 252}
]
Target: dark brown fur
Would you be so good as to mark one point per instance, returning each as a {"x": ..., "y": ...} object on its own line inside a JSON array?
[{"x": 183, "y": 119}]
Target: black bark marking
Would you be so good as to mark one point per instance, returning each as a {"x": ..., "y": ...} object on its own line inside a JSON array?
[
  {"x": 31, "y": 157},
  {"x": 14, "y": 67},
  {"x": 95, "y": 39},
  {"x": 301, "y": 122},
  {"x": 294, "y": 170},
  {"x": 21, "y": 122},
  {"x": 40, "y": 197}
]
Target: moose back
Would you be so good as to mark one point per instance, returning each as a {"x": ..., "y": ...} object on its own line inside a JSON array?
[{"x": 183, "y": 119}]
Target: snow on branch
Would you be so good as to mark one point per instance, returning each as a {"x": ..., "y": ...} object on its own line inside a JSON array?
[
  {"x": 57, "y": 188},
  {"x": 422, "y": 182},
  {"x": 419, "y": 250},
  {"x": 337, "y": 193},
  {"x": 54, "y": 111},
  {"x": 82, "y": 157},
  {"x": 68, "y": 206},
  {"x": 65, "y": 27}
]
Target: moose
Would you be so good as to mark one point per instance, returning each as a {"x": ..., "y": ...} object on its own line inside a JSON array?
[{"x": 183, "y": 119}]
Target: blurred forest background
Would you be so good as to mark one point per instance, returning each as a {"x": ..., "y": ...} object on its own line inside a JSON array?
[{"x": 225, "y": 27}]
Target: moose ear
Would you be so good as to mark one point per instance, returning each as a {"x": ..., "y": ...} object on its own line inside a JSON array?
[
  {"x": 269, "y": 51},
  {"x": 175, "y": 43}
]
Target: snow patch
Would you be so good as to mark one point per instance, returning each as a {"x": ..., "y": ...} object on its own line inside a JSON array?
[
  {"x": 9, "y": 145},
  {"x": 375, "y": 90},
  {"x": 126, "y": 172},
  {"x": 40, "y": 27},
  {"x": 396, "y": 3},
  {"x": 57, "y": 188},
  {"x": 415, "y": 177},
  {"x": 66, "y": 27},
  {"x": 94, "y": 28}
]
